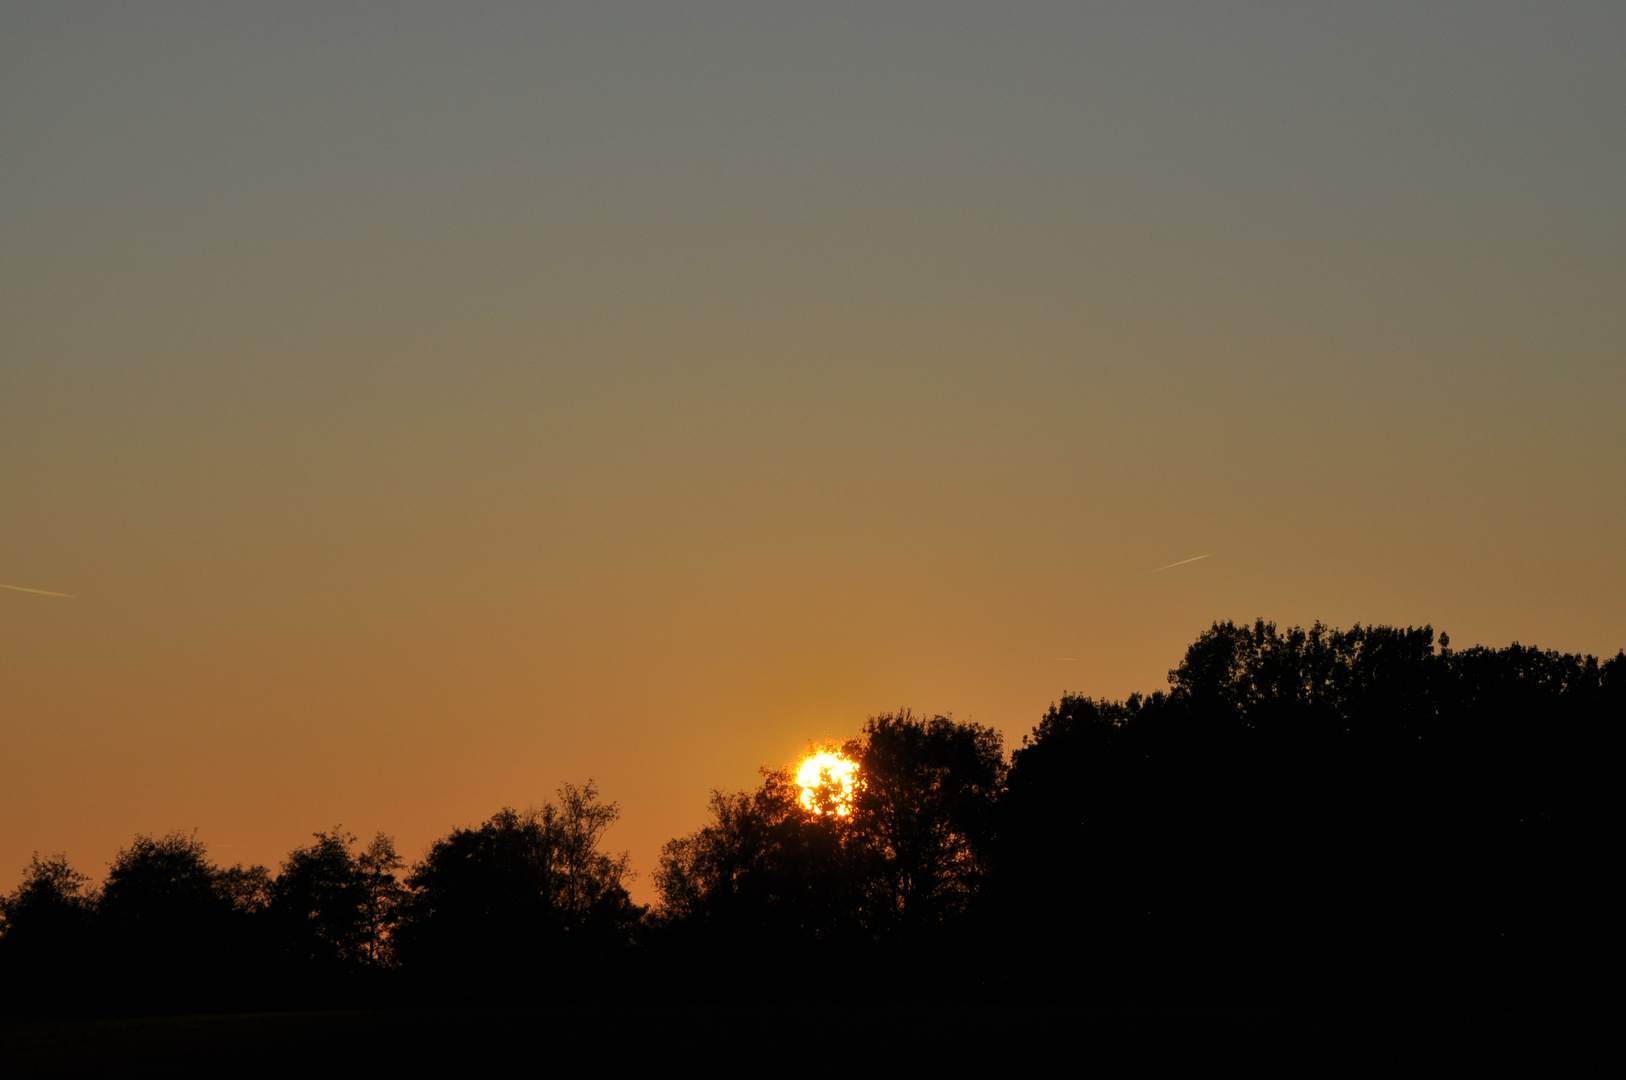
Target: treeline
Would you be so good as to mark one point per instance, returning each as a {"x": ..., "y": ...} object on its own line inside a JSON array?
[
  {"x": 1311, "y": 812},
  {"x": 489, "y": 910}
]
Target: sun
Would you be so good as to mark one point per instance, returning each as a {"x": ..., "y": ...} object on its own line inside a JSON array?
[{"x": 827, "y": 781}]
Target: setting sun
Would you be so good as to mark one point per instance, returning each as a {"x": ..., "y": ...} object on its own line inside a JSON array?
[{"x": 827, "y": 781}]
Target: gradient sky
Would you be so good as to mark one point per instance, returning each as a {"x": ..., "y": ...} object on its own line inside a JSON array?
[{"x": 433, "y": 404}]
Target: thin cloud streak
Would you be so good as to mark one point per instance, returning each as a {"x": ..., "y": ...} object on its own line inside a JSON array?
[
  {"x": 40, "y": 592},
  {"x": 1182, "y": 562}
]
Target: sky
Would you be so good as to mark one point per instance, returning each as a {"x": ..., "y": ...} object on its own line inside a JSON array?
[{"x": 429, "y": 405}]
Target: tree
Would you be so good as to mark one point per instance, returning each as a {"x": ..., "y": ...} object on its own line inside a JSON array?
[
  {"x": 246, "y": 889},
  {"x": 764, "y": 868},
  {"x": 44, "y": 935},
  {"x": 176, "y": 931},
  {"x": 523, "y": 889},
  {"x": 589, "y": 884},
  {"x": 924, "y": 810},
  {"x": 383, "y": 896},
  {"x": 51, "y": 901},
  {"x": 1321, "y": 807},
  {"x": 335, "y": 908},
  {"x": 160, "y": 887},
  {"x": 904, "y": 862}
]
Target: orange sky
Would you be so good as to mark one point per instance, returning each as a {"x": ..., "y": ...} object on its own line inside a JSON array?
[{"x": 429, "y": 410}]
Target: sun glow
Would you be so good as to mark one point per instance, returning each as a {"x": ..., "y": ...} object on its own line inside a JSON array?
[{"x": 827, "y": 781}]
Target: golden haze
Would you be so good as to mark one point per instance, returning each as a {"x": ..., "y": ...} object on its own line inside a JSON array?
[{"x": 428, "y": 410}]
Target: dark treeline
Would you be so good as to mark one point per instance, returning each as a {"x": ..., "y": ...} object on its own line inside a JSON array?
[{"x": 1303, "y": 814}]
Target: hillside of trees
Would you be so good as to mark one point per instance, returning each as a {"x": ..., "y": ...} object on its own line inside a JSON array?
[{"x": 1304, "y": 814}]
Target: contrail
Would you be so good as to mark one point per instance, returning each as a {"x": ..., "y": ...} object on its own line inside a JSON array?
[
  {"x": 41, "y": 592},
  {"x": 1182, "y": 562}
]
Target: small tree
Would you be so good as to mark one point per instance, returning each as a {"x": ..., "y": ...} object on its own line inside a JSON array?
[
  {"x": 764, "y": 867},
  {"x": 382, "y": 897},
  {"x": 246, "y": 889},
  {"x": 44, "y": 937},
  {"x": 589, "y": 884},
  {"x": 50, "y": 904}
]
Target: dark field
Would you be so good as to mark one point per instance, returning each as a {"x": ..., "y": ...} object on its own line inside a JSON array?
[{"x": 863, "y": 1038}]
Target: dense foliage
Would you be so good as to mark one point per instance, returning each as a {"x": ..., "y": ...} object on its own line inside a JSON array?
[
  {"x": 904, "y": 861},
  {"x": 1360, "y": 813},
  {"x": 521, "y": 894},
  {"x": 1357, "y": 811}
]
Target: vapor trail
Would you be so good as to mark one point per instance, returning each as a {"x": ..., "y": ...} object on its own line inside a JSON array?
[
  {"x": 41, "y": 592},
  {"x": 1182, "y": 562}
]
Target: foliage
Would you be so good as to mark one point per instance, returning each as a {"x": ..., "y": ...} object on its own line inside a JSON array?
[
  {"x": 51, "y": 901},
  {"x": 335, "y": 907},
  {"x": 521, "y": 888},
  {"x": 924, "y": 813},
  {"x": 161, "y": 883},
  {"x": 1318, "y": 807},
  {"x": 764, "y": 867},
  {"x": 907, "y": 859},
  {"x": 1362, "y": 812}
]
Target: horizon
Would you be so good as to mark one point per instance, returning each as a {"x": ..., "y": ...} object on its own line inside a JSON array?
[{"x": 820, "y": 771}]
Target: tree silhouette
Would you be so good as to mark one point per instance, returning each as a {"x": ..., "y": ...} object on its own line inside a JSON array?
[
  {"x": 1320, "y": 808},
  {"x": 51, "y": 901},
  {"x": 764, "y": 869},
  {"x": 521, "y": 890},
  {"x": 335, "y": 908},
  {"x": 176, "y": 931},
  {"x": 822, "y": 890},
  {"x": 924, "y": 811},
  {"x": 44, "y": 935}
]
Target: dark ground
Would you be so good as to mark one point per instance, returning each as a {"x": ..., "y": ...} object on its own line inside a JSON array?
[{"x": 864, "y": 1038}]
